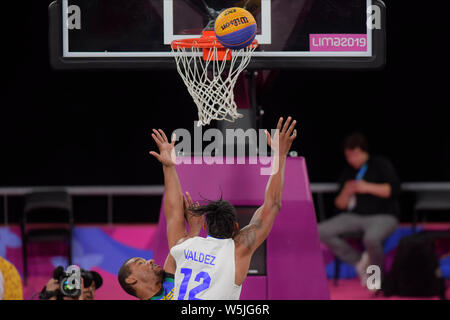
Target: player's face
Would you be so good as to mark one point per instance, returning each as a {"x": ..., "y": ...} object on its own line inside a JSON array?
[
  {"x": 146, "y": 270},
  {"x": 355, "y": 157}
]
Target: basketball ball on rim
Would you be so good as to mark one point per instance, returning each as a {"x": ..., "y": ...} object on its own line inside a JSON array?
[{"x": 235, "y": 28}]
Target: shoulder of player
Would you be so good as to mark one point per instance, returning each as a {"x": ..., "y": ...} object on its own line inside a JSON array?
[
  {"x": 246, "y": 237},
  {"x": 185, "y": 240}
]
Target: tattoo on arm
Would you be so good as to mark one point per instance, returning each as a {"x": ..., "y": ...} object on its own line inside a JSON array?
[{"x": 247, "y": 235}]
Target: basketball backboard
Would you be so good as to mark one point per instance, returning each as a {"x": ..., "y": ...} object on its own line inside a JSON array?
[{"x": 292, "y": 34}]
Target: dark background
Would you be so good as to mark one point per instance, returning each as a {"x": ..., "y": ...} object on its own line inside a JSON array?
[{"x": 93, "y": 128}]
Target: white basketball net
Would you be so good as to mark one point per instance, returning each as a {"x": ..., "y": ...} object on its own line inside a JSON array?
[{"x": 211, "y": 82}]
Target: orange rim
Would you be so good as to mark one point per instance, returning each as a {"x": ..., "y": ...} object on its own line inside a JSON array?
[{"x": 207, "y": 41}]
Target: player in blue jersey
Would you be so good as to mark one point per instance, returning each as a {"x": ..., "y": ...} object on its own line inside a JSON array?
[{"x": 143, "y": 278}]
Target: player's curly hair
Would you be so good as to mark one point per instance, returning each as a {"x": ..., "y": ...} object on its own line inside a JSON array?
[{"x": 220, "y": 217}]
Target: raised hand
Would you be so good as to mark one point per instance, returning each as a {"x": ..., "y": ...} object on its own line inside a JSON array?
[
  {"x": 283, "y": 137},
  {"x": 166, "y": 150}
]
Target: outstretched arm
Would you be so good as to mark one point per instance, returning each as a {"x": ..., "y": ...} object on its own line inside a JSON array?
[
  {"x": 173, "y": 195},
  {"x": 250, "y": 238}
]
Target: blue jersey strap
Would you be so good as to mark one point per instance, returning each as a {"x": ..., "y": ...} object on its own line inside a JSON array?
[{"x": 361, "y": 172}]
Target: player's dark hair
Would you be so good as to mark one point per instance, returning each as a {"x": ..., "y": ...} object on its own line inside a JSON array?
[
  {"x": 355, "y": 140},
  {"x": 220, "y": 217},
  {"x": 123, "y": 274}
]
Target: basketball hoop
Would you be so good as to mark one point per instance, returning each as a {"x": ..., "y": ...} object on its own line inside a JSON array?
[{"x": 210, "y": 71}]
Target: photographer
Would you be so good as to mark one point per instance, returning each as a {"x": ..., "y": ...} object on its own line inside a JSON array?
[{"x": 57, "y": 287}]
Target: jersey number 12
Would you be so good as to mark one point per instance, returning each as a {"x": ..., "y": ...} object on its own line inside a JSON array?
[{"x": 202, "y": 277}]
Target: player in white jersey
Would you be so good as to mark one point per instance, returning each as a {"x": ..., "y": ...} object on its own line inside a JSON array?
[
  {"x": 215, "y": 267},
  {"x": 205, "y": 269}
]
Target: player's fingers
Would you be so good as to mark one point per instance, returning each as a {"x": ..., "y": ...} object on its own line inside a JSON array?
[
  {"x": 269, "y": 139},
  {"x": 156, "y": 138},
  {"x": 158, "y": 143},
  {"x": 163, "y": 135},
  {"x": 186, "y": 203},
  {"x": 280, "y": 122},
  {"x": 291, "y": 127},
  {"x": 157, "y": 156},
  {"x": 158, "y": 135},
  {"x": 294, "y": 135},
  {"x": 286, "y": 125},
  {"x": 174, "y": 139},
  {"x": 188, "y": 196}
]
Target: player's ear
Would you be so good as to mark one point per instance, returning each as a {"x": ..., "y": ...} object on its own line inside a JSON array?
[
  {"x": 236, "y": 226},
  {"x": 204, "y": 226},
  {"x": 131, "y": 280}
]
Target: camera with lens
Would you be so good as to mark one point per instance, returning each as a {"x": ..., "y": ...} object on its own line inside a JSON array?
[
  {"x": 70, "y": 283},
  {"x": 69, "y": 280}
]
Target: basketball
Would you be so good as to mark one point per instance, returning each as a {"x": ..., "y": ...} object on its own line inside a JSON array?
[{"x": 235, "y": 28}]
